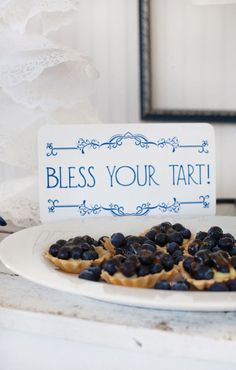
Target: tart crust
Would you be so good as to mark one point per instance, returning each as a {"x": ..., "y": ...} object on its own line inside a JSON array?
[
  {"x": 76, "y": 266},
  {"x": 219, "y": 277},
  {"x": 147, "y": 281}
]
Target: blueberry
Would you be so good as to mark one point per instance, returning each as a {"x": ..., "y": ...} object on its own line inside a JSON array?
[
  {"x": 156, "y": 268},
  {"x": 151, "y": 246},
  {"x": 226, "y": 244},
  {"x": 88, "y": 239},
  {"x": 134, "y": 258},
  {"x": 2, "y": 222},
  {"x": 204, "y": 248},
  {"x": 220, "y": 260},
  {"x": 78, "y": 240},
  {"x": 178, "y": 227},
  {"x": 202, "y": 256},
  {"x": 176, "y": 237},
  {"x": 158, "y": 254},
  {"x": 165, "y": 226},
  {"x": 215, "y": 232},
  {"x": 146, "y": 257},
  {"x": 201, "y": 235},
  {"x": 170, "y": 231},
  {"x": 121, "y": 251},
  {"x": 218, "y": 287},
  {"x": 119, "y": 259},
  {"x": 151, "y": 234},
  {"x": 215, "y": 249},
  {"x": 95, "y": 243},
  {"x": 143, "y": 270},
  {"x": 172, "y": 247},
  {"x": 232, "y": 285},
  {"x": 110, "y": 267},
  {"x": 76, "y": 252},
  {"x": 223, "y": 268},
  {"x": 126, "y": 251},
  {"x": 131, "y": 239},
  {"x": 193, "y": 248},
  {"x": 161, "y": 239},
  {"x": 128, "y": 268},
  {"x": 209, "y": 242},
  {"x": 96, "y": 270},
  {"x": 177, "y": 256},
  {"x": 61, "y": 242},
  {"x": 186, "y": 233},
  {"x": 228, "y": 235},
  {"x": 102, "y": 239},
  {"x": 54, "y": 249},
  {"x": 117, "y": 239},
  {"x": 85, "y": 246},
  {"x": 201, "y": 272},
  {"x": 180, "y": 285},
  {"x": 233, "y": 261},
  {"x": 233, "y": 251},
  {"x": 133, "y": 248},
  {"x": 89, "y": 255},
  {"x": 64, "y": 253},
  {"x": 177, "y": 253},
  {"x": 167, "y": 262},
  {"x": 142, "y": 239},
  {"x": 162, "y": 284},
  {"x": 187, "y": 263},
  {"x": 91, "y": 273}
]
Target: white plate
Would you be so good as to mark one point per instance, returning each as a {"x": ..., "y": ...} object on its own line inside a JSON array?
[{"x": 22, "y": 253}]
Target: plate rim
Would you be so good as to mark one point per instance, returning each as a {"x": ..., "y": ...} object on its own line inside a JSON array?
[{"x": 137, "y": 297}]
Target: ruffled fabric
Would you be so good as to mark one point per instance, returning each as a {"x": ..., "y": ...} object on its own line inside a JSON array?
[
  {"x": 28, "y": 65},
  {"x": 62, "y": 85},
  {"x": 42, "y": 82},
  {"x": 20, "y": 204},
  {"x": 17, "y": 13}
]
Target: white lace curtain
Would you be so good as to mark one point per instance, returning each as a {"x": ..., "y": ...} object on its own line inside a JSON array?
[{"x": 42, "y": 81}]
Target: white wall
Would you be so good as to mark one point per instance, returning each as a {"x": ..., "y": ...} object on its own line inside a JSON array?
[{"x": 107, "y": 30}]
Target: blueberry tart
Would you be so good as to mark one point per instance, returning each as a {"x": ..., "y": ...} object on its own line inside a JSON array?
[
  {"x": 77, "y": 254},
  {"x": 142, "y": 270},
  {"x": 209, "y": 259},
  {"x": 171, "y": 238}
]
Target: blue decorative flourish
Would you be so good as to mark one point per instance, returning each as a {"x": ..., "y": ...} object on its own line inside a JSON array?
[
  {"x": 51, "y": 208},
  {"x": 118, "y": 210},
  {"x": 172, "y": 142},
  {"x": 82, "y": 144},
  {"x": 203, "y": 200},
  {"x": 51, "y": 150},
  {"x": 202, "y": 148},
  {"x": 117, "y": 141}
]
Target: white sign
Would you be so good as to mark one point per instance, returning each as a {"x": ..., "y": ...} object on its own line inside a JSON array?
[{"x": 128, "y": 169}]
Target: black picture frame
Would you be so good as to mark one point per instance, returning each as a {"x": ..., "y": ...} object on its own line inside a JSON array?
[{"x": 150, "y": 113}]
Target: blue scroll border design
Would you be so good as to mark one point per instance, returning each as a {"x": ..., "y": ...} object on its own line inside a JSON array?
[
  {"x": 116, "y": 141},
  {"x": 119, "y": 210}
]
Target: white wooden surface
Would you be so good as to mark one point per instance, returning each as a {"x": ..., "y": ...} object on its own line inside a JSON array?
[{"x": 41, "y": 328}]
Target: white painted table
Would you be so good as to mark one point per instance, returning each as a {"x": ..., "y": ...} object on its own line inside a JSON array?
[{"x": 44, "y": 329}]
